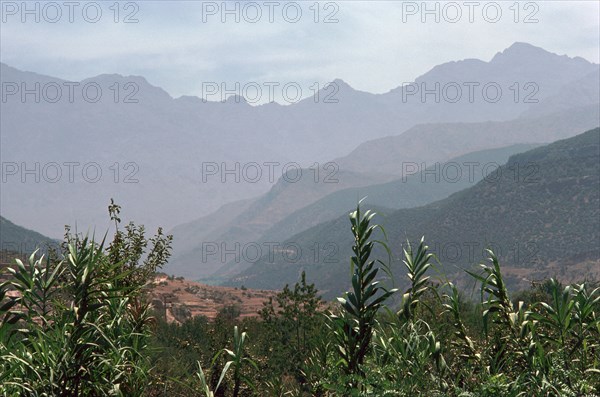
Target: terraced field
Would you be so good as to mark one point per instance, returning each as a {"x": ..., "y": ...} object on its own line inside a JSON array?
[{"x": 185, "y": 299}]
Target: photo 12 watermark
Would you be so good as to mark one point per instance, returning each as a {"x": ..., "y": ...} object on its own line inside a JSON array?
[
  {"x": 470, "y": 11},
  {"x": 469, "y": 92},
  {"x": 69, "y": 172},
  {"x": 473, "y": 252},
  {"x": 271, "y": 171},
  {"x": 26, "y": 248},
  {"x": 251, "y": 12},
  {"x": 69, "y": 92},
  {"x": 269, "y": 252},
  {"x": 54, "y": 12},
  {"x": 470, "y": 171},
  {"x": 269, "y": 91}
]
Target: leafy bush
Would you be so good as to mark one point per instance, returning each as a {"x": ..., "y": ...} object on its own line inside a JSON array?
[{"x": 78, "y": 324}]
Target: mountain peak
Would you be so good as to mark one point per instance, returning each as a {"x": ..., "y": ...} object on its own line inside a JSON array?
[
  {"x": 341, "y": 84},
  {"x": 332, "y": 90},
  {"x": 521, "y": 45},
  {"x": 141, "y": 85},
  {"x": 231, "y": 99},
  {"x": 520, "y": 51}
]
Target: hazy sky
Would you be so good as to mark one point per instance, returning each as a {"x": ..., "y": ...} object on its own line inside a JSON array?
[{"x": 374, "y": 46}]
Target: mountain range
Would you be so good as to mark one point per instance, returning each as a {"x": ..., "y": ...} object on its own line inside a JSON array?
[
  {"x": 202, "y": 169},
  {"x": 150, "y": 148},
  {"x": 289, "y": 207},
  {"x": 539, "y": 212},
  {"x": 256, "y": 225}
]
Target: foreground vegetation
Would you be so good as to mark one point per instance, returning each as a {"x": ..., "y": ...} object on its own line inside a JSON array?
[{"x": 80, "y": 326}]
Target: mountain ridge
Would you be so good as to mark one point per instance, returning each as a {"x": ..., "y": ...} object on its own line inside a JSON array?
[
  {"x": 537, "y": 226},
  {"x": 165, "y": 141}
]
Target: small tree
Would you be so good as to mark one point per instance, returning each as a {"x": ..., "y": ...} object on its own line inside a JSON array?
[{"x": 292, "y": 322}]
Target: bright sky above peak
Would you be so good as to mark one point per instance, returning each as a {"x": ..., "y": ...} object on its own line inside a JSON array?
[{"x": 374, "y": 46}]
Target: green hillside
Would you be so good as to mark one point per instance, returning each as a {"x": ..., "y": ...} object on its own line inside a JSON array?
[
  {"x": 253, "y": 218},
  {"x": 16, "y": 241},
  {"x": 540, "y": 212},
  {"x": 414, "y": 190},
  {"x": 16, "y": 238},
  {"x": 188, "y": 236},
  {"x": 286, "y": 209}
]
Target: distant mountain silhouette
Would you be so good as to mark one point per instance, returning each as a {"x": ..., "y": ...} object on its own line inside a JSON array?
[
  {"x": 442, "y": 141},
  {"x": 539, "y": 212},
  {"x": 162, "y": 142},
  {"x": 289, "y": 208}
]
